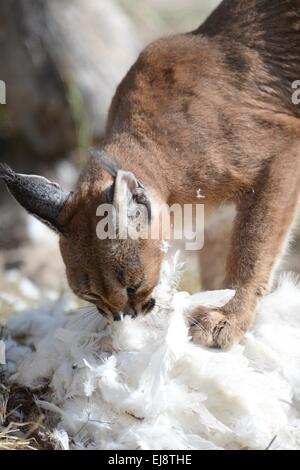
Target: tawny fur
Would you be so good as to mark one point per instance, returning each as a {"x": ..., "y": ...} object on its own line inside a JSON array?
[{"x": 211, "y": 109}]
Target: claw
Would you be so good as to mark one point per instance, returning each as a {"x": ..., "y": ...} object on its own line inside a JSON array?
[{"x": 214, "y": 328}]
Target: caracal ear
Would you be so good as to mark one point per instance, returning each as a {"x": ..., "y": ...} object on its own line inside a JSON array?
[
  {"x": 130, "y": 200},
  {"x": 39, "y": 196}
]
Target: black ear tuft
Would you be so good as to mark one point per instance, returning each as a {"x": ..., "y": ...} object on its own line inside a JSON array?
[
  {"x": 6, "y": 173},
  {"x": 39, "y": 196}
]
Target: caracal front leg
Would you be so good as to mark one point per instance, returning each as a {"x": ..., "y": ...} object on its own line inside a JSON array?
[{"x": 264, "y": 219}]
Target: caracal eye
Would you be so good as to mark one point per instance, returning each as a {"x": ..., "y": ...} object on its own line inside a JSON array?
[
  {"x": 131, "y": 290},
  {"x": 91, "y": 296}
]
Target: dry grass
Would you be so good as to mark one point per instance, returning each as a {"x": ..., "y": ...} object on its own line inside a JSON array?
[
  {"x": 10, "y": 441},
  {"x": 22, "y": 425}
]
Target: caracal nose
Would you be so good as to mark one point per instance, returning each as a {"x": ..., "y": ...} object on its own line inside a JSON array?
[{"x": 130, "y": 311}]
